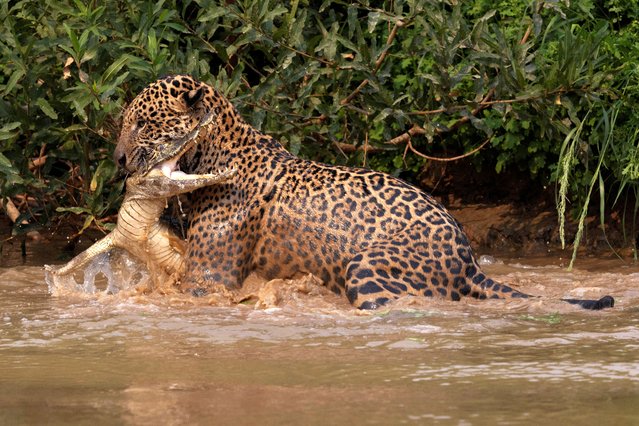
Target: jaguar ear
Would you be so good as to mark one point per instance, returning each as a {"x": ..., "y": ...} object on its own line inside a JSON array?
[{"x": 192, "y": 98}]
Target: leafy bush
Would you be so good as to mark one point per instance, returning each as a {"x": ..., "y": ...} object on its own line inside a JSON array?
[{"x": 389, "y": 85}]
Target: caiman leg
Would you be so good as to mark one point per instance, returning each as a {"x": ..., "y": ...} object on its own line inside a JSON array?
[{"x": 138, "y": 229}]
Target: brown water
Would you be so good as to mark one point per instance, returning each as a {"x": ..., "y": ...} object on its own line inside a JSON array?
[{"x": 163, "y": 359}]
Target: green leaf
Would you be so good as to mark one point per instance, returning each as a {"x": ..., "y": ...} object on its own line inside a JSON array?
[
  {"x": 115, "y": 67},
  {"x": 152, "y": 45},
  {"x": 13, "y": 80},
  {"x": 75, "y": 128},
  {"x": 89, "y": 55},
  {"x": 87, "y": 222},
  {"x": 288, "y": 59},
  {"x": 75, "y": 210},
  {"x": 81, "y": 6},
  {"x": 352, "y": 21},
  {"x": 105, "y": 171},
  {"x": 511, "y": 140},
  {"x": 46, "y": 108},
  {"x": 10, "y": 126},
  {"x": 177, "y": 27},
  {"x": 74, "y": 41},
  {"x": 329, "y": 43},
  {"x": 249, "y": 37},
  {"x": 373, "y": 19},
  {"x": 10, "y": 173},
  {"x": 296, "y": 38},
  {"x": 212, "y": 13},
  {"x": 348, "y": 44},
  {"x": 82, "y": 41},
  {"x": 158, "y": 6}
]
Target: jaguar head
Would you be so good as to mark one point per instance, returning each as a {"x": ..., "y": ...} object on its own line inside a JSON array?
[{"x": 162, "y": 123}]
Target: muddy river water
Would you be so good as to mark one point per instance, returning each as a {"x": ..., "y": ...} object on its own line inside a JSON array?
[{"x": 296, "y": 354}]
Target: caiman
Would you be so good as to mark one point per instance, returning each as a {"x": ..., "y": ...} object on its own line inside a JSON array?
[{"x": 139, "y": 229}]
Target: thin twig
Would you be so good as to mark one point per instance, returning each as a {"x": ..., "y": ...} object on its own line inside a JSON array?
[
  {"x": 446, "y": 159},
  {"x": 36, "y": 163},
  {"x": 389, "y": 42},
  {"x": 347, "y": 148},
  {"x": 366, "y": 148},
  {"x": 350, "y": 97},
  {"x": 487, "y": 102},
  {"x": 524, "y": 39},
  {"x": 432, "y": 111},
  {"x": 417, "y": 130},
  {"x": 482, "y": 105}
]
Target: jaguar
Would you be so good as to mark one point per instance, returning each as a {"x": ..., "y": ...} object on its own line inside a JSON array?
[{"x": 367, "y": 235}]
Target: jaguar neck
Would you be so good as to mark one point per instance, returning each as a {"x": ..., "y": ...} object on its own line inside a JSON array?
[{"x": 228, "y": 141}]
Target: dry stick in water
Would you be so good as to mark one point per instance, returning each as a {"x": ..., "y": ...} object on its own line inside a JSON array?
[{"x": 13, "y": 213}]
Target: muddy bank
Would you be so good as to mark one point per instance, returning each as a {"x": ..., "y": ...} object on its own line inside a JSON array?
[
  {"x": 510, "y": 213},
  {"x": 514, "y": 219},
  {"x": 522, "y": 230},
  {"x": 512, "y": 229}
]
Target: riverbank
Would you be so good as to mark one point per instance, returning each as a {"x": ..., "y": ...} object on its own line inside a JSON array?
[
  {"x": 504, "y": 227},
  {"x": 510, "y": 214}
]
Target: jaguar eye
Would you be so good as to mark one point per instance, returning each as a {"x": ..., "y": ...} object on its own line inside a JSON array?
[{"x": 140, "y": 124}]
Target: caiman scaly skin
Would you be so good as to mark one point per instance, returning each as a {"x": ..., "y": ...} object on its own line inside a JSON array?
[{"x": 139, "y": 230}]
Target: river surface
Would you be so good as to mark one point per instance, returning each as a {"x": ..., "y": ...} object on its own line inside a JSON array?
[{"x": 296, "y": 354}]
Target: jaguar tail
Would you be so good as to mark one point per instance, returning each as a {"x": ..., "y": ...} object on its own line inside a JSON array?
[{"x": 483, "y": 287}]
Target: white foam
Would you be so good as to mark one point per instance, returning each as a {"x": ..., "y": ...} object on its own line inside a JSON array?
[{"x": 117, "y": 268}]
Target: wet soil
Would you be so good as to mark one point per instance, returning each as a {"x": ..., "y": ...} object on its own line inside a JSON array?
[
  {"x": 516, "y": 219},
  {"x": 511, "y": 214}
]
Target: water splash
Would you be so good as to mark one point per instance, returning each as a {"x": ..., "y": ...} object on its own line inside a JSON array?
[{"x": 107, "y": 273}]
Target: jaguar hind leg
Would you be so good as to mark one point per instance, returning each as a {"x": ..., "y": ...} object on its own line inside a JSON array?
[{"x": 389, "y": 270}]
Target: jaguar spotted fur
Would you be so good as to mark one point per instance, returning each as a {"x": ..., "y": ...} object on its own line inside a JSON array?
[{"x": 368, "y": 235}]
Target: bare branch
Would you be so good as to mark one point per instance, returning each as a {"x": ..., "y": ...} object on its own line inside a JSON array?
[
  {"x": 446, "y": 159},
  {"x": 405, "y": 137},
  {"x": 389, "y": 42},
  {"x": 355, "y": 92},
  {"x": 524, "y": 39}
]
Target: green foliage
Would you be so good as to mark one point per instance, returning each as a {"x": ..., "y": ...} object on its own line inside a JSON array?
[{"x": 382, "y": 84}]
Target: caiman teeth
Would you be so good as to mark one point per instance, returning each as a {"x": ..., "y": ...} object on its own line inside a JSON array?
[
  {"x": 168, "y": 167},
  {"x": 178, "y": 146}
]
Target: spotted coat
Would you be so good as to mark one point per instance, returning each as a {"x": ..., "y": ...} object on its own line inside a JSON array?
[{"x": 367, "y": 235}]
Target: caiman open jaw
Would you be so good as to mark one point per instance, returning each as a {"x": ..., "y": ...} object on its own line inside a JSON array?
[
  {"x": 158, "y": 185},
  {"x": 167, "y": 156}
]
